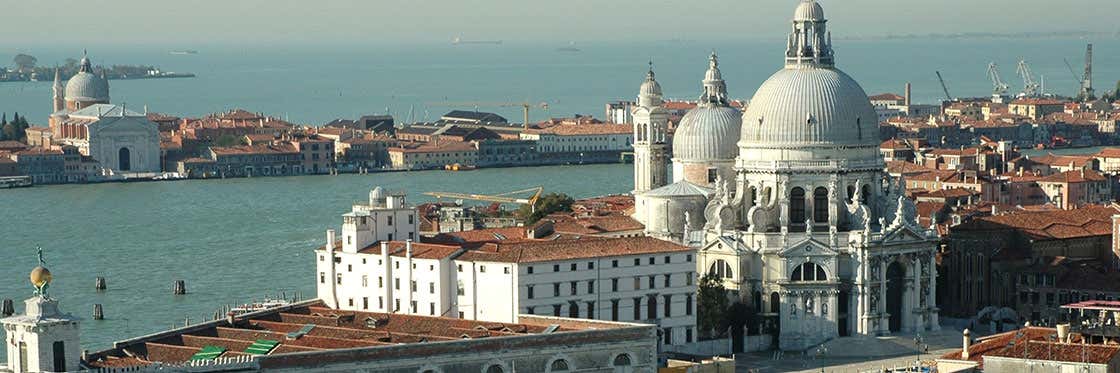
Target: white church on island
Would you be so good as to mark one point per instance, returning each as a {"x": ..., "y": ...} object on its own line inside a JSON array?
[{"x": 788, "y": 202}]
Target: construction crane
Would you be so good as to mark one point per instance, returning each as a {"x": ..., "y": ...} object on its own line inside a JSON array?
[
  {"x": 944, "y": 87},
  {"x": 1087, "y": 79},
  {"x": 508, "y": 197},
  {"x": 1030, "y": 87},
  {"x": 525, "y": 106},
  {"x": 999, "y": 88}
]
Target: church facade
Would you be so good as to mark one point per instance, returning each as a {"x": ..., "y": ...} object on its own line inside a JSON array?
[
  {"x": 122, "y": 141},
  {"x": 795, "y": 212}
]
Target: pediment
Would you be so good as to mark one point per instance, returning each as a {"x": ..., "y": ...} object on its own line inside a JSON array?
[
  {"x": 808, "y": 247},
  {"x": 724, "y": 244},
  {"x": 903, "y": 234}
]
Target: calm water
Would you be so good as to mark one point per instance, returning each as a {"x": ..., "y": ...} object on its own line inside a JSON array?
[
  {"x": 314, "y": 84},
  {"x": 230, "y": 240}
]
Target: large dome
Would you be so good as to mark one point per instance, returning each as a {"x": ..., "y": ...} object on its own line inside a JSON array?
[
  {"x": 809, "y": 105},
  {"x": 85, "y": 86},
  {"x": 707, "y": 133}
]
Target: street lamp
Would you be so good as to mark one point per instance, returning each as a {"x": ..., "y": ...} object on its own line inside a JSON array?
[{"x": 822, "y": 350}]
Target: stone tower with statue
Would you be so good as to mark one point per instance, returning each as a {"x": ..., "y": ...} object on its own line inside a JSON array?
[{"x": 42, "y": 339}]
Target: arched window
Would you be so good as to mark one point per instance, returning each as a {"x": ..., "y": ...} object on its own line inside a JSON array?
[
  {"x": 495, "y": 368},
  {"x": 622, "y": 360},
  {"x": 797, "y": 206},
  {"x": 558, "y": 365},
  {"x": 808, "y": 271},
  {"x": 820, "y": 205},
  {"x": 753, "y": 196},
  {"x": 573, "y": 310},
  {"x": 721, "y": 269},
  {"x": 775, "y": 302},
  {"x": 866, "y": 194},
  {"x": 851, "y": 193}
]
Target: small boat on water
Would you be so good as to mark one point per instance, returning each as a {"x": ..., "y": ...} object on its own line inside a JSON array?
[
  {"x": 15, "y": 182},
  {"x": 184, "y": 51}
]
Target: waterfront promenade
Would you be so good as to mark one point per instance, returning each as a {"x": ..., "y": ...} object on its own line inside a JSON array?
[{"x": 231, "y": 240}]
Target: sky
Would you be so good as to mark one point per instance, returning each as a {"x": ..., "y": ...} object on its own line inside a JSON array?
[{"x": 209, "y": 22}]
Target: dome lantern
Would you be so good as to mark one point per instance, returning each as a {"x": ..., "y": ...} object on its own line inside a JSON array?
[
  {"x": 810, "y": 42},
  {"x": 649, "y": 94}
]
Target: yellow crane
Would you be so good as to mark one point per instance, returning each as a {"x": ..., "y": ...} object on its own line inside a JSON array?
[
  {"x": 508, "y": 197},
  {"x": 525, "y": 106}
]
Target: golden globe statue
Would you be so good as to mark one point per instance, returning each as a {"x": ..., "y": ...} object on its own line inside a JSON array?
[{"x": 41, "y": 276}]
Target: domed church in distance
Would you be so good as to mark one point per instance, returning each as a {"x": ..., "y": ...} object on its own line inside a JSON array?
[
  {"x": 121, "y": 140},
  {"x": 789, "y": 203}
]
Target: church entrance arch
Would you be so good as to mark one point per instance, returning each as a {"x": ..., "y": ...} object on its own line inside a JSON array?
[
  {"x": 124, "y": 159},
  {"x": 896, "y": 277}
]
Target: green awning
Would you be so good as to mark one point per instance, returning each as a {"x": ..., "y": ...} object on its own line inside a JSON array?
[
  {"x": 262, "y": 347},
  {"x": 209, "y": 353}
]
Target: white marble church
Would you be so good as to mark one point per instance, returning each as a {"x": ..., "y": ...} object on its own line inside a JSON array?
[{"x": 789, "y": 202}]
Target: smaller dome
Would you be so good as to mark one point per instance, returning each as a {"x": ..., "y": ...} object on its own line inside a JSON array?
[
  {"x": 87, "y": 87},
  {"x": 809, "y": 10},
  {"x": 377, "y": 193},
  {"x": 708, "y": 133},
  {"x": 40, "y": 276}
]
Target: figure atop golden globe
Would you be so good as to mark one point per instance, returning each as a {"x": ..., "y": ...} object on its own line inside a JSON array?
[{"x": 41, "y": 276}]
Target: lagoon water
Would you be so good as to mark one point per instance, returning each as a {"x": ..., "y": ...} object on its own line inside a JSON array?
[
  {"x": 231, "y": 240},
  {"x": 315, "y": 84},
  {"x": 239, "y": 239}
]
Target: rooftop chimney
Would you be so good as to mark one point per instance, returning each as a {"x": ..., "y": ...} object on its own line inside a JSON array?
[
  {"x": 966, "y": 342},
  {"x": 1063, "y": 333}
]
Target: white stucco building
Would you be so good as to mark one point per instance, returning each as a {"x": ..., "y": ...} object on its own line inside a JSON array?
[
  {"x": 633, "y": 279},
  {"x": 805, "y": 226}
]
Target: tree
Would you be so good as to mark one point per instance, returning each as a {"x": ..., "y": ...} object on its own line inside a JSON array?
[
  {"x": 24, "y": 63},
  {"x": 711, "y": 305},
  {"x": 547, "y": 204},
  {"x": 227, "y": 140},
  {"x": 10, "y": 131}
]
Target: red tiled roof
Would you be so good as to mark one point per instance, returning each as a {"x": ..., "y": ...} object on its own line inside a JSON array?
[
  {"x": 1033, "y": 343},
  {"x": 1050, "y": 225},
  {"x": 281, "y": 148},
  {"x": 442, "y": 146},
  {"x": 546, "y": 251},
  {"x": 1037, "y": 101},
  {"x": 1074, "y": 176},
  {"x": 886, "y": 97}
]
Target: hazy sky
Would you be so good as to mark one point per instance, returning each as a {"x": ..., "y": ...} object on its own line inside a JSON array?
[{"x": 403, "y": 21}]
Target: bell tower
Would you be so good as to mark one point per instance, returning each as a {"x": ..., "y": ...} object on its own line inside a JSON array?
[
  {"x": 651, "y": 149},
  {"x": 43, "y": 339}
]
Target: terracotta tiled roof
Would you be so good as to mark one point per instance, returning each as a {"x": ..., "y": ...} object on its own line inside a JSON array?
[
  {"x": 547, "y": 251},
  {"x": 1032, "y": 343},
  {"x": 1063, "y": 160},
  {"x": 1087, "y": 221},
  {"x": 591, "y": 225},
  {"x": 282, "y": 148},
  {"x": 1074, "y": 176},
  {"x": 1037, "y": 101},
  {"x": 1109, "y": 153},
  {"x": 906, "y": 168},
  {"x": 886, "y": 97},
  {"x": 442, "y": 146}
]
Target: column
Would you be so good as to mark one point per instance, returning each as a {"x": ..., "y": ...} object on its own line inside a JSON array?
[
  {"x": 884, "y": 323},
  {"x": 916, "y": 297},
  {"x": 931, "y": 297}
]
